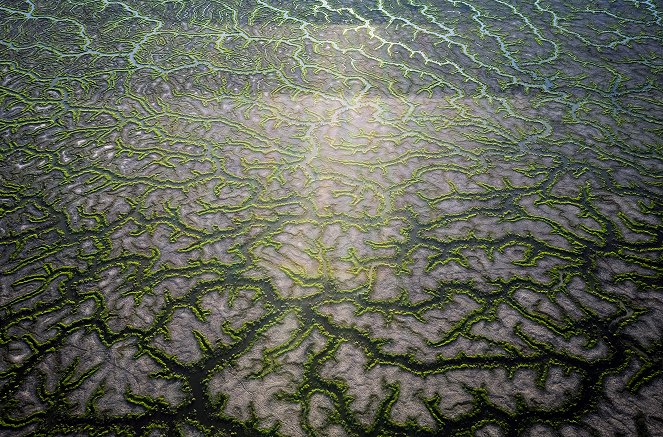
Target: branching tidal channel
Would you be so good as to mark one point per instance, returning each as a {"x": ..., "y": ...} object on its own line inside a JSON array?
[{"x": 331, "y": 217}]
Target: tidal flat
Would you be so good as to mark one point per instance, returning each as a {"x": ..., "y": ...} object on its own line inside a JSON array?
[{"x": 331, "y": 218}]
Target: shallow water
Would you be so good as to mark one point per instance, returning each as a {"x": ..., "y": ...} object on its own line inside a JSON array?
[{"x": 331, "y": 218}]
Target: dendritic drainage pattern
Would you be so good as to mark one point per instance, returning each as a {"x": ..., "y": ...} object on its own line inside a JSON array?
[{"x": 331, "y": 217}]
